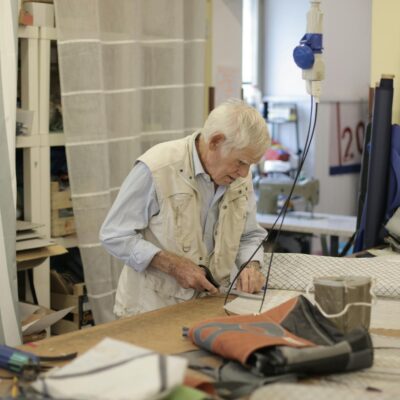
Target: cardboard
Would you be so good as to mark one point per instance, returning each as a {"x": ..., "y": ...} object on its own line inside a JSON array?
[
  {"x": 28, "y": 234},
  {"x": 28, "y": 259},
  {"x": 27, "y": 225},
  {"x": 35, "y": 319},
  {"x": 44, "y": 252},
  {"x": 31, "y": 244}
]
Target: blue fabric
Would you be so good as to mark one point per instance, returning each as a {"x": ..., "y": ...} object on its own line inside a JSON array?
[
  {"x": 394, "y": 175},
  {"x": 393, "y": 201}
]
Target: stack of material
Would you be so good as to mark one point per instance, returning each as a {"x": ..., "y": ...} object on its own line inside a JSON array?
[{"x": 32, "y": 248}]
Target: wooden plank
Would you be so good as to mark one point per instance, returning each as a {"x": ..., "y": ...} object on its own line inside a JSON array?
[
  {"x": 64, "y": 326},
  {"x": 79, "y": 289},
  {"x": 159, "y": 330},
  {"x": 62, "y": 226},
  {"x": 53, "y": 250},
  {"x": 61, "y": 200},
  {"x": 54, "y": 186},
  {"x": 59, "y": 301}
]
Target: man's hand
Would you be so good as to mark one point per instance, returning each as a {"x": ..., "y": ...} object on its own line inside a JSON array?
[
  {"x": 251, "y": 280},
  {"x": 187, "y": 273}
]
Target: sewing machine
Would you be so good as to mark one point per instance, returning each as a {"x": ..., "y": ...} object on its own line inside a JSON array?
[{"x": 271, "y": 188}]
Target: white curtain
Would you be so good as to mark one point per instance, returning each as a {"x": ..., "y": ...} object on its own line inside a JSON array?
[
  {"x": 132, "y": 75},
  {"x": 9, "y": 325}
]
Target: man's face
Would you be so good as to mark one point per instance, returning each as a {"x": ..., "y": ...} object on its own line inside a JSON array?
[{"x": 225, "y": 167}]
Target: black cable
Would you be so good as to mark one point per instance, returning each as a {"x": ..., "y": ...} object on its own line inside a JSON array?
[{"x": 310, "y": 135}]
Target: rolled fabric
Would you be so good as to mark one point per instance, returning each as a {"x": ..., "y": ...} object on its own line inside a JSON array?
[
  {"x": 362, "y": 190},
  {"x": 377, "y": 184},
  {"x": 393, "y": 200}
]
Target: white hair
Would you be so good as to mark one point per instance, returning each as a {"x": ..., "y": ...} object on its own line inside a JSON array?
[{"x": 242, "y": 125}]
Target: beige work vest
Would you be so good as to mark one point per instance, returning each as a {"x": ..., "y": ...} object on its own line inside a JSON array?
[{"x": 177, "y": 228}]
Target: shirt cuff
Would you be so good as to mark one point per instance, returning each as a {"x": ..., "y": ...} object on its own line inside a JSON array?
[
  {"x": 141, "y": 258},
  {"x": 245, "y": 254}
]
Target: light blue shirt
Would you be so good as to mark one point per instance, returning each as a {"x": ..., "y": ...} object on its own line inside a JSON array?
[{"x": 137, "y": 202}]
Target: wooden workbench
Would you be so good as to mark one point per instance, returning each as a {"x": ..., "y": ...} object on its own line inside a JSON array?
[{"x": 159, "y": 330}]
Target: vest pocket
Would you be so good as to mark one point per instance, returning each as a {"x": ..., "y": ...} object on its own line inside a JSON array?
[
  {"x": 182, "y": 209},
  {"x": 239, "y": 207}
]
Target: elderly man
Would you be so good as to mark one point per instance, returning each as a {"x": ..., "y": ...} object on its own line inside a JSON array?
[{"x": 187, "y": 211}]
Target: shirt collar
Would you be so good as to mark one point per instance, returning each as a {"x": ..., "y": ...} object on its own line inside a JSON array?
[{"x": 197, "y": 165}]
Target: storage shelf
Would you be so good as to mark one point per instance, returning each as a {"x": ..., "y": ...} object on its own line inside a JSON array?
[
  {"x": 67, "y": 241},
  {"x": 44, "y": 140},
  {"x": 27, "y": 141},
  {"x": 280, "y": 121},
  {"x": 35, "y": 64},
  {"x": 28, "y": 32},
  {"x": 56, "y": 139},
  {"x": 47, "y": 32}
]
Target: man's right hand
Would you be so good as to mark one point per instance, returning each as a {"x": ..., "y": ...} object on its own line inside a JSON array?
[{"x": 186, "y": 272}]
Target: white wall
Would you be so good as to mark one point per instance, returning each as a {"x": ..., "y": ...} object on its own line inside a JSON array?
[
  {"x": 226, "y": 49},
  {"x": 347, "y": 36},
  {"x": 385, "y": 48}
]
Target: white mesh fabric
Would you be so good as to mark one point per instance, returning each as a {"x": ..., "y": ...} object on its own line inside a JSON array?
[{"x": 296, "y": 271}]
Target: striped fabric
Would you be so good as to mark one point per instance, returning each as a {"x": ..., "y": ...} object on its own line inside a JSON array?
[
  {"x": 9, "y": 324},
  {"x": 132, "y": 75}
]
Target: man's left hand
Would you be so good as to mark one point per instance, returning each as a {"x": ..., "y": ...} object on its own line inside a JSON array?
[{"x": 251, "y": 280}]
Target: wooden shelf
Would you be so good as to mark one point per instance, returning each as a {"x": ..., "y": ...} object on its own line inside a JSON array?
[
  {"x": 28, "y": 32},
  {"x": 67, "y": 241},
  {"x": 27, "y": 141},
  {"x": 44, "y": 140},
  {"x": 56, "y": 139}
]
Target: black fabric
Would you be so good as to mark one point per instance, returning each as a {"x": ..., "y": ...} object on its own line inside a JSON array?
[
  {"x": 336, "y": 352},
  {"x": 306, "y": 321}
]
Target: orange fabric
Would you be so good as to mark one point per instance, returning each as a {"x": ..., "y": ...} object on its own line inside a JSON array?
[{"x": 237, "y": 337}]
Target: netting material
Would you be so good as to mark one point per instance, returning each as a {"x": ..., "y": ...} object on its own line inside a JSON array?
[{"x": 296, "y": 271}]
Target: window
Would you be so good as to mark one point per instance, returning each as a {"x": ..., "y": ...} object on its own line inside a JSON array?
[{"x": 250, "y": 45}]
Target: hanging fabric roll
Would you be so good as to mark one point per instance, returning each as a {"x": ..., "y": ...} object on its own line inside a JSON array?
[
  {"x": 393, "y": 200},
  {"x": 371, "y": 228}
]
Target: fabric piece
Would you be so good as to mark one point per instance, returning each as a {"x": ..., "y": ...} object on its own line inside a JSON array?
[
  {"x": 131, "y": 76},
  {"x": 237, "y": 337},
  {"x": 296, "y": 271},
  {"x": 371, "y": 228},
  {"x": 9, "y": 319},
  {"x": 114, "y": 370},
  {"x": 293, "y": 337},
  {"x": 381, "y": 314},
  {"x": 382, "y": 377}
]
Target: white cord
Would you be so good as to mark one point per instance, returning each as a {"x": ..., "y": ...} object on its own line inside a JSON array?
[{"x": 344, "y": 311}]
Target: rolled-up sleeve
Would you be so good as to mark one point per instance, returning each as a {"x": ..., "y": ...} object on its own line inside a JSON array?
[
  {"x": 135, "y": 204},
  {"x": 252, "y": 236}
]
